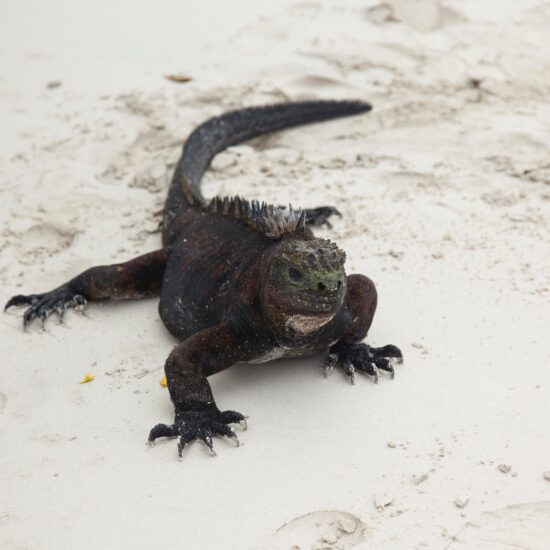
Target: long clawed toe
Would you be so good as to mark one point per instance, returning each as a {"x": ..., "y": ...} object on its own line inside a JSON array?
[
  {"x": 225, "y": 430},
  {"x": 349, "y": 371},
  {"x": 186, "y": 435},
  {"x": 22, "y": 300},
  {"x": 161, "y": 430},
  {"x": 330, "y": 363},
  {"x": 385, "y": 364},
  {"x": 203, "y": 435},
  {"x": 390, "y": 352},
  {"x": 358, "y": 357},
  {"x": 371, "y": 370},
  {"x": 232, "y": 417}
]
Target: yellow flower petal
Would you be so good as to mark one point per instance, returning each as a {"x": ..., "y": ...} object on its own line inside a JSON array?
[
  {"x": 87, "y": 378},
  {"x": 164, "y": 382}
]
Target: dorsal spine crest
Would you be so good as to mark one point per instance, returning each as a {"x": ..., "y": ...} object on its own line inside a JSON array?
[{"x": 272, "y": 221}]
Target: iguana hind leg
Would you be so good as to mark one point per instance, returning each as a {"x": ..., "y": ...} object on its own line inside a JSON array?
[
  {"x": 320, "y": 216},
  {"x": 138, "y": 278},
  {"x": 317, "y": 217}
]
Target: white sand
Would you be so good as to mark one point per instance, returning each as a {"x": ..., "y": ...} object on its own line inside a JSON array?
[{"x": 445, "y": 190}]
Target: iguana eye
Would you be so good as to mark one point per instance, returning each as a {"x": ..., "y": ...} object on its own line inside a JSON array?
[{"x": 295, "y": 274}]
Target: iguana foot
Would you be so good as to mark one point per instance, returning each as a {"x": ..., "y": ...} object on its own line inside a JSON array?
[
  {"x": 200, "y": 424},
  {"x": 320, "y": 216},
  {"x": 43, "y": 305},
  {"x": 361, "y": 357}
]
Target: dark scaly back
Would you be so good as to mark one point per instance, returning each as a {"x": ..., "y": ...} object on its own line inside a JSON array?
[{"x": 218, "y": 133}]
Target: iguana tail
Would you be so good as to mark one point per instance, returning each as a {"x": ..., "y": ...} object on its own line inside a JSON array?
[{"x": 218, "y": 133}]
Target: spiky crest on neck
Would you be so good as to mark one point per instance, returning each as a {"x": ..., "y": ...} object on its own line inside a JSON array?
[{"x": 265, "y": 218}]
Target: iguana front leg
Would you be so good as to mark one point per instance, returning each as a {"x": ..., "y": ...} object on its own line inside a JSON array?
[
  {"x": 349, "y": 352},
  {"x": 138, "y": 278},
  {"x": 205, "y": 353}
]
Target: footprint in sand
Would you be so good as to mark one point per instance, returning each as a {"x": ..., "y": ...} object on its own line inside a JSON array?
[
  {"x": 43, "y": 239},
  {"x": 325, "y": 530}
]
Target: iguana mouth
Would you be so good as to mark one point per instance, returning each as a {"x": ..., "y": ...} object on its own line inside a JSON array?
[
  {"x": 310, "y": 304},
  {"x": 308, "y": 323}
]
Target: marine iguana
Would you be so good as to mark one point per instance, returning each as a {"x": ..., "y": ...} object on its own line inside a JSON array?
[{"x": 238, "y": 281}]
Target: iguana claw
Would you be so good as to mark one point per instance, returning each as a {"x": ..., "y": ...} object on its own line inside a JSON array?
[
  {"x": 361, "y": 357},
  {"x": 43, "y": 305},
  {"x": 202, "y": 424}
]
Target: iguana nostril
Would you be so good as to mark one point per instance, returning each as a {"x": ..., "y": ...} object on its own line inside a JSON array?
[
  {"x": 321, "y": 286},
  {"x": 339, "y": 285}
]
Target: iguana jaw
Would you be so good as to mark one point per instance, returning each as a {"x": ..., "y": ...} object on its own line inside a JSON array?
[{"x": 306, "y": 324}]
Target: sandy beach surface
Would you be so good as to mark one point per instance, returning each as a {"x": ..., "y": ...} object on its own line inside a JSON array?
[{"x": 445, "y": 191}]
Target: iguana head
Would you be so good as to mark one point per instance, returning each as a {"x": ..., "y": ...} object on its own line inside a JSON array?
[{"x": 305, "y": 285}]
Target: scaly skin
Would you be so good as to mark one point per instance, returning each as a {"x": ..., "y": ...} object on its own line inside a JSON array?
[{"x": 238, "y": 281}]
